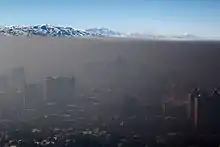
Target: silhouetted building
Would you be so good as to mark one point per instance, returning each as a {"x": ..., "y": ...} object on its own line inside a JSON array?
[
  {"x": 33, "y": 95},
  {"x": 59, "y": 89},
  {"x": 204, "y": 111},
  {"x": 17, "y": 86},
  {"x": 192, "y": 96},
  {"x": 16, "y": 102},
  {"x": 4, "y": 83},
  {"x": 18, "y": 78}
]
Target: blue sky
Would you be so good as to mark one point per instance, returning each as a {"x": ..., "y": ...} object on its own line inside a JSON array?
[{"x": 168, "y": 17}]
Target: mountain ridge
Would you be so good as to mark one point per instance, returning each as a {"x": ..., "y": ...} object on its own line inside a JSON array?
[{"x": 62, "y": 31}]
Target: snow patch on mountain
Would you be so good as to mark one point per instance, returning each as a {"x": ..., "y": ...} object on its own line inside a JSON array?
[{"x": 103, "y": 32}]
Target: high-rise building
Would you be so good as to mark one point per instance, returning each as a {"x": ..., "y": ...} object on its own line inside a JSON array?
[
  {"x": 33, "y": 95},
  {"x": 17, "y": 86},
  {"x": 59, "y": 89},
  {"x": 4, "y": 83},
  {"x": 204, "y": 112},
  {"x": 17, "y": 98},
  {"x": 18, "y": 78}
]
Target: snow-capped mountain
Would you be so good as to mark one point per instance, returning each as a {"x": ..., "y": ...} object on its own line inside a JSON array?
[
  {"x": 58, "y": 31},
  {"x": 55, "y": 31}
]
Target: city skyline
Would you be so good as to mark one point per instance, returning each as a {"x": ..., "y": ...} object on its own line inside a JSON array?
[{"x": 165, "y": 17}]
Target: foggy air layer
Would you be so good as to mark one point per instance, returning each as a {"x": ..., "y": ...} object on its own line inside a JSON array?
[{"x": 61, "y": 56}]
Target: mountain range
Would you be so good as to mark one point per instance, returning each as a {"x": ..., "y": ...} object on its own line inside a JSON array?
[{"x": 57, "y": 31}]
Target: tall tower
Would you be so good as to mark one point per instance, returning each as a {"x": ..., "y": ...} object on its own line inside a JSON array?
[
  {"x": 18, "y": 78},
  {"x": 17, "y": 86},
  {"x": 193, "y": 107}
]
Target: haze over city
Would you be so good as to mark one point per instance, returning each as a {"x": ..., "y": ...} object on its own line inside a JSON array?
[{"x": 125, "y": 73}]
